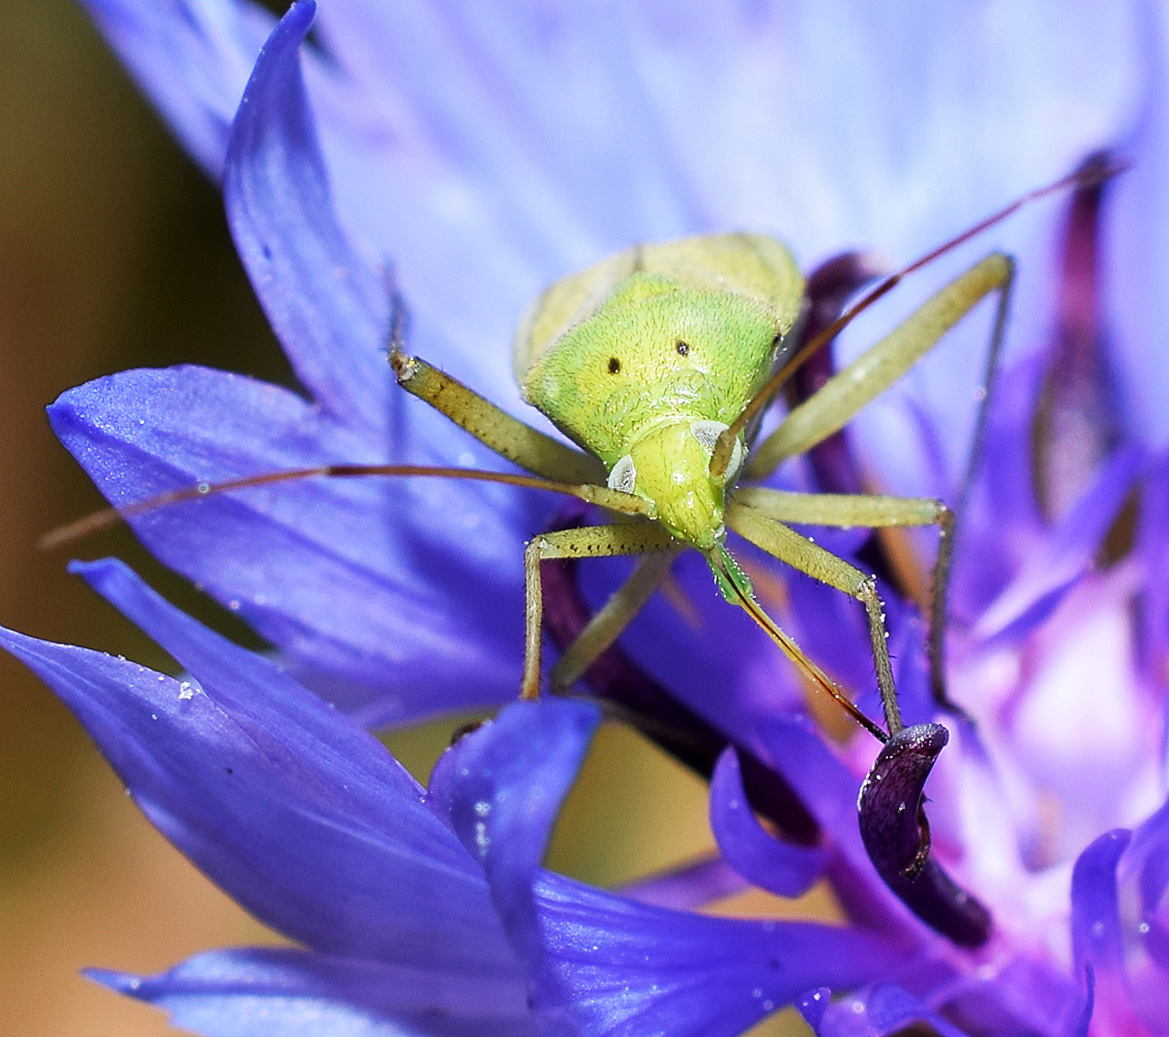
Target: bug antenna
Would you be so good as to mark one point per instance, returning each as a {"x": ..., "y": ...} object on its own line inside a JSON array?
[
  {"x": 733, "y": 579},
  {"x": 398, "y": 319},
  {"x": 1096, "y": 168},
  {"x": 616, "y": 500}
]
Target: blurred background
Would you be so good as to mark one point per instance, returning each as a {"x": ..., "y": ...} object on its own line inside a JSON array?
[{"x": 114, "y": 254}]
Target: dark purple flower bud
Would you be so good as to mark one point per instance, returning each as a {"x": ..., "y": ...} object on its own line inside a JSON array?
[{"x": 896, "y": 834}]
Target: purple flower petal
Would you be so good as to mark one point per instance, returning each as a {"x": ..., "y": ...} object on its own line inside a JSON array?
[
  {"x": 1153, "y": 547},
  {"x": 1147, "y": 957},
  {"x": 500, "y": 788},
  {"x": 613, "y": 966},
  {"x": 688, "y": 887},
  {"x": 1002, "y": 521},
  {"x": 1097, "y": 938},
  {"x": 329, "y": 570},
  {"x": 300, "y": 816},
  {"x": 1150, "y": 846},
  {"x": 602, "y": 964},
  {"x": 757, "y": 855},
  {"x": 257, "y": 992},
  {"x": 326, "y": 304},
  {"x": 822, "y": 781},
  {"x": 1065, "y": 556},
  {"x": 881, "y": 1010},
  {"x": 192, "y": 57}
]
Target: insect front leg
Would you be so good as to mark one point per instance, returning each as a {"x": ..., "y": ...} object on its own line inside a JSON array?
[
  {"x": 875, "y": 370},
  {"x": 801, "y": 553},
  {"x": 585, "y": 542},
  {"x": 876, "y": 511},
  {"x": 611, "y": 619},
  {"x": 494, "y": 427}
]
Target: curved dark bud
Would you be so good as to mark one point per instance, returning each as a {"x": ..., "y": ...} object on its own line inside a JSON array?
[{"x": 896, "y": 835}]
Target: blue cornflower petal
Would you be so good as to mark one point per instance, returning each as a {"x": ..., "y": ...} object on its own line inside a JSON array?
[
  {"x": 1002, "y": 522},
  {"x": 1151, "y": 845},
  {"x": 826, "y": 786},
  {"x": 333, "y": 574},
  {"x": 500, "y": 789},
  {"x": 329, "y": 570},
  {"x": 757, "y": 855},
  {"x": 1152, "y": 545},
  {"x": 1065, "y": 555},
  {"x": 1148, "y": 855},
  {"x": 600, "y": 963},
  {"x": 192, "y": 57},
  {"x": 255, "y": 992},
  {"x": 300, "y": 816},
  {"x": 884, "y": 1009},
  {"x": 617, "y": 967},
  {"x": 327, "y": 306}
]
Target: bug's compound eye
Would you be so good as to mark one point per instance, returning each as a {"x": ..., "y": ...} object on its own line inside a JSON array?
[
  {"x": 623, "y": 477},
  {"x": 683, "y": 348},
  {"x": 707, "y": 433},
  {"x": 614, "y": 365}
]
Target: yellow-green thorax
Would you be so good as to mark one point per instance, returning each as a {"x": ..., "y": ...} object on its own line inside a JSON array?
[
  {"x": 649, "y": 375},
  {"x": 669, "y": 466}
]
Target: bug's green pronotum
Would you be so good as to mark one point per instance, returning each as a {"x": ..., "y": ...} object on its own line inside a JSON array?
[{"x": 656, "y": 361}]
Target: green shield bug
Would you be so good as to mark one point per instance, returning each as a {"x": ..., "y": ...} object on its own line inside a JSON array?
[{"x": 656, "y": 362}]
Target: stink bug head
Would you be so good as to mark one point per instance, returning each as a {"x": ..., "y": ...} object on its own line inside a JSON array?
[
  {"x": 668, "y": 465},
  {"x": 646, "y": 357}
]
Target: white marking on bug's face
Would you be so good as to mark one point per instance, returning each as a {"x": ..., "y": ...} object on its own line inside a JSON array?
[
  {"x": 623, "y": 477},
  {"x": 707, "y": 433}
]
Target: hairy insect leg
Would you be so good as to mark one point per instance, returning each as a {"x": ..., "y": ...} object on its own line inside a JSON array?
[
  {"x": 737, "y": 589},
  {"x": 876, "y": 511},
  {"x": 584, "y": 542},
  {"x": 494, "y": 427},
  {"x": 875, "y": 370},
  {"x": 611, "y": 619},
  {"x": 801, "y": 553}
]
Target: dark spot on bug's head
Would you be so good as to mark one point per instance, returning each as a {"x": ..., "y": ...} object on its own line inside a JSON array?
[
  {"x": 614, "y": 365},
  {"x": 683, "y": 348}
]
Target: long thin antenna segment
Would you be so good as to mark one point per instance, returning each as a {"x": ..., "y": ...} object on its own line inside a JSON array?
[
  {"x": 626, "y": 503},
  {"x": 1086, "y": 176}
]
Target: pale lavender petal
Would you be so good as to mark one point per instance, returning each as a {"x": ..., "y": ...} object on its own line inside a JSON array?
[
  {"x": 758, "y": 855},
  {"x": 256, "y": 992}
]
